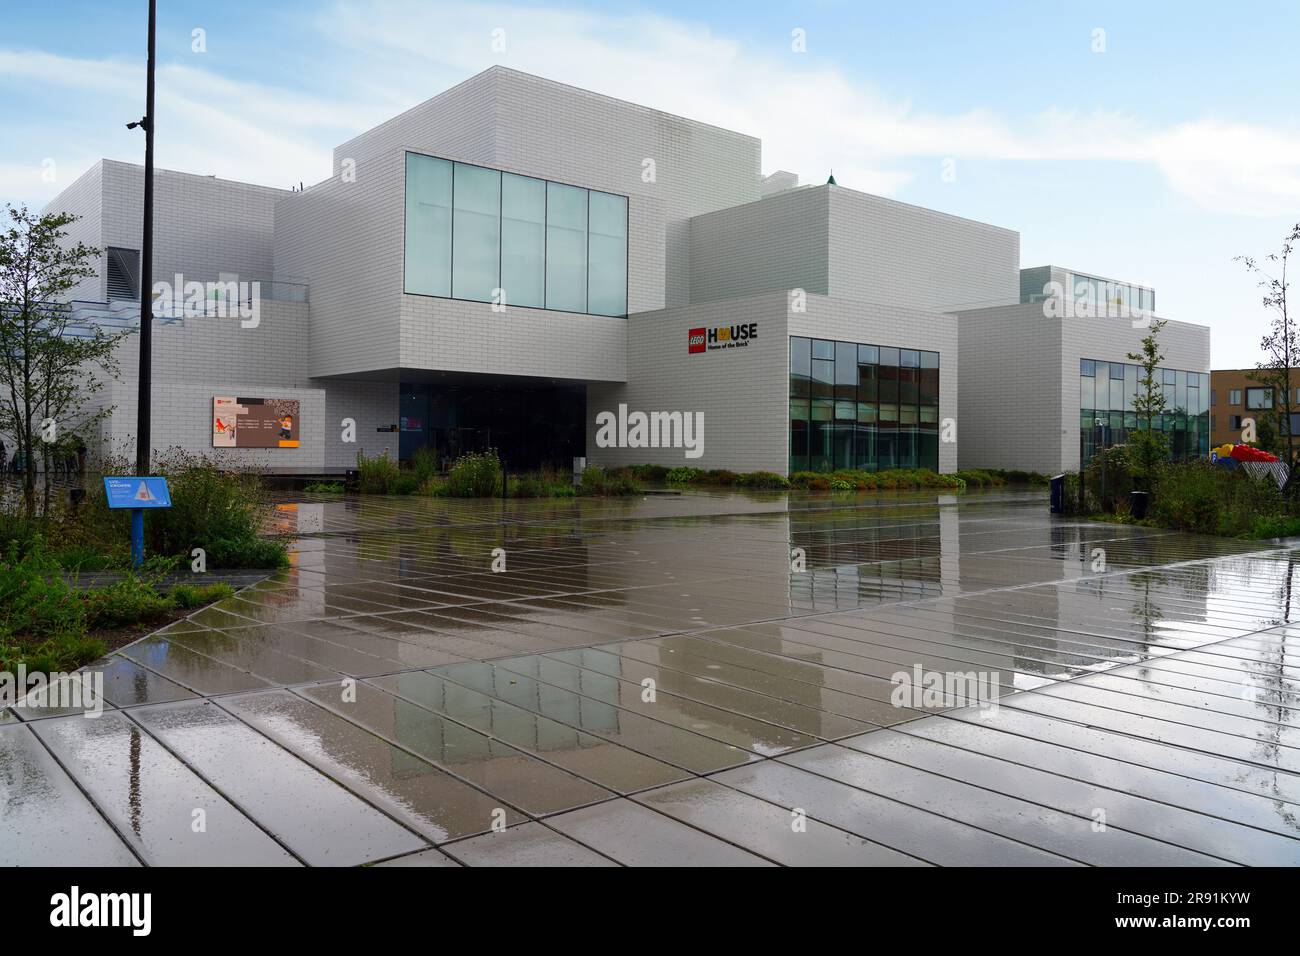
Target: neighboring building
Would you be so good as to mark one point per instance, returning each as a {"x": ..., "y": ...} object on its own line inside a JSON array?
[
  {"x": 527, "y": 266},
  {"x": 1236, "y": 395}
]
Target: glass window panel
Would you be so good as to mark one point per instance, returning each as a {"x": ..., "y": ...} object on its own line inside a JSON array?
[
  {"x": 428, "y": 225},
  {"x": 1130, "y": 385},
  {"x": 823, "y": 378},
  {"x": 523, "y": 240},
  {"x": 799, "y": 408},
  {"x": 1117, "y": 391},
  {"x": 929, "y": 414},
  {"x": 823, "y": 410},
  {"x": 888, "y": 356},
  {"x": 607, "y": 255},
  {"x": 1087, "y": 367},
  {"x": 867, "y": 383},
  {"x": 566, "y": 248},
  {"x": 846, "y": 371},
  {"x": 476, "y": 233},
  {"x": 1087, "y": 392},
  {"x": 1116, "y": 370},
  {"x": 867, "y": 413},
  {"x": 821, "y": 446},
  {"x": 822, "y": 349},
  {"x": 800, "y": 368},
  {"x": 844, "y": 445},
  {"x": 909, "y": 384},
  {"x": 1101, "y": 370},
  {"x": 909, "y": 358},
  {"x": 846, "y": 411},
  {"x": 798, "y": 445},
  {"x": 864, "y": 447},
  {"x": 929, "y": 360},
  {"x": 887, "y": 437},
  {"x": 889, "y": 414},
  {"x": 928, "y": 445},
  {"x": 868, "y": 355},
  {"x": 929, "y": 383},
  {"x": 888, "y": 382}
]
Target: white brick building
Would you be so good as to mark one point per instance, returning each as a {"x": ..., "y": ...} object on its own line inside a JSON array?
[{"x": 502, "y": 263}]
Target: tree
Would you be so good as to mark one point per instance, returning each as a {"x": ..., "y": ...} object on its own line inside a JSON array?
[
  {"x": 1281, "y": 346},
  {"x": 1150, "y": 445},
  {"x": 45, "y": 364}
]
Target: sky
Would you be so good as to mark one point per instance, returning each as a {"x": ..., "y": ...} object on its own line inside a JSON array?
[{"x": 1148, "y": 142}]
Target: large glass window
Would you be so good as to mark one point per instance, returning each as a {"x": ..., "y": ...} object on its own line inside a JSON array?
[
  {"x": 862, "y": 406},
  {"x": 523, "y": 240},
  {"x": 471, "y": 231},
  {"x": 566, "y": 248},
  {"x": 1106, "y": 394},
  {"x": 428, "y": 225},
  {"x": 607, "y": 262},
  {"x": 476, "y": 233}
]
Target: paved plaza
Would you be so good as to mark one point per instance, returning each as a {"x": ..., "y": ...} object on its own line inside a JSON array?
[{"x": 695, "y": 679}]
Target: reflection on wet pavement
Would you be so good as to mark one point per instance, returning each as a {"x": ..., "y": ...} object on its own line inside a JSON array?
[{"x": 700, "y": 679}]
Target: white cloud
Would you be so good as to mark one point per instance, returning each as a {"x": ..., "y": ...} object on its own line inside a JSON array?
[{"x": 379, "y": 58}]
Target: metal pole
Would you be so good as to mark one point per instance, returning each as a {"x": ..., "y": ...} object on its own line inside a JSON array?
[{"x": 144, "y": 409}]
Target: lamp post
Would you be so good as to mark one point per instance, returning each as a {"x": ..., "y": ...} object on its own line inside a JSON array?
[{"x": 144, "y": 409}]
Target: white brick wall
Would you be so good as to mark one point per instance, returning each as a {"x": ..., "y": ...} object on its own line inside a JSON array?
[
  {"x": 1020, "y": 372},
  {"x": 744, "y": 392}
]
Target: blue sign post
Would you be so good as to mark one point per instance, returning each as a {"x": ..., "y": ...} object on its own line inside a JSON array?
[{"x": 137, "y": 494}]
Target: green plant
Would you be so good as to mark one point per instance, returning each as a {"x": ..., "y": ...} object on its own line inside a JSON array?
[
  {"x": 424, "y": 465},
  {"x": 125, "y": 602},
  {"x": 597, "y": 482},
  {"x": 682, "y": 475},
  {"x": 375, "y": 475},
  {"x": 763, "y": 479},
  {"x": 325, "y": 488},
  {"x": 476, "y": 475},
  {"x": 35, "y": 601},
  {"x": 188, "y": 596}
]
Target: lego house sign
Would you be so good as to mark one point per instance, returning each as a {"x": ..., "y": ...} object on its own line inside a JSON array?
[{"x": 721, "y": 337}]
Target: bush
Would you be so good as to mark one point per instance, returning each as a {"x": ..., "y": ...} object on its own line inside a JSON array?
[
  {"x": 123, "y": 603},
  {"x": 682, "y": 475},
  {"x": 35, "y": 601},
  {"x": 376, "y": 475},
  {"x": 476, "y": 475},
  {"x": 188, "y": 596},
  {"x": 764, "y": 479},
  {"x": 424, "y": 465},
  {"x": 597, "y": 482},
  {"x": 325, "y": 488}
]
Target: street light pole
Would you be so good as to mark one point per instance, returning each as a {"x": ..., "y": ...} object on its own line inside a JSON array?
[{"x": 144, "y": 408}]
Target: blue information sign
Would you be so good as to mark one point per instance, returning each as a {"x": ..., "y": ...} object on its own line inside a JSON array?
[{"x": 137, "y": 493}]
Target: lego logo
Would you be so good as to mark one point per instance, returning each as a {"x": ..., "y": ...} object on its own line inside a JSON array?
[{"x": 695, "y": 341}]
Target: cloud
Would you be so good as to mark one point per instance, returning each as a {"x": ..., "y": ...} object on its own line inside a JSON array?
[{"x": 375, "y": 59}]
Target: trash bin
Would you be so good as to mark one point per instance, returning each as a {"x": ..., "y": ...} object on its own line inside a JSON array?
[
  {"x": 579, "y": 466},
  {"x": 1058, "y": 494},
  {"x": 1137, "y": 504}
]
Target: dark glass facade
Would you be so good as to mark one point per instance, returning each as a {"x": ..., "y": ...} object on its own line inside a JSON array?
[
  {"x": 862, "y": 406},
  {"x": 1106, "y": 392}
]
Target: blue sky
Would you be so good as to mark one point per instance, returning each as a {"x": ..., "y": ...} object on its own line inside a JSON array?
[{"x": 1156, "y": 160}]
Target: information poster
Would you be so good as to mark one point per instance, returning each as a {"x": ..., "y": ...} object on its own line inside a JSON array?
[{"x": 255, "y": 422}]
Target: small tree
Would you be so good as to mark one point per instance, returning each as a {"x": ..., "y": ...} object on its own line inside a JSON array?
[
  {"x": 1150, "y": 445},
  {"x": 1281, "y": 346},
  {"x": 45, "y": 380}
]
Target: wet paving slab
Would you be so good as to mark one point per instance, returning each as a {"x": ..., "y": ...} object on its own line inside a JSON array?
[{"x": 694, "y": 679}]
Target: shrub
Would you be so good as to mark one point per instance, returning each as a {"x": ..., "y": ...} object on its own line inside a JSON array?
[
  {"x": 34, "y": 599},
  {"x": 189, "y": 596},
  {"x": 125, "y": 602},
  {"x": 476, "y": 475},
  {"x": 596, "y": 481},
  {"x": 325, "y": 488},
  {"x": 376, "y": 475},
  {"x": 424, "y": 465},
  {"x": 763, "y": 479},
  {"x": 682, "y": 475}
]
